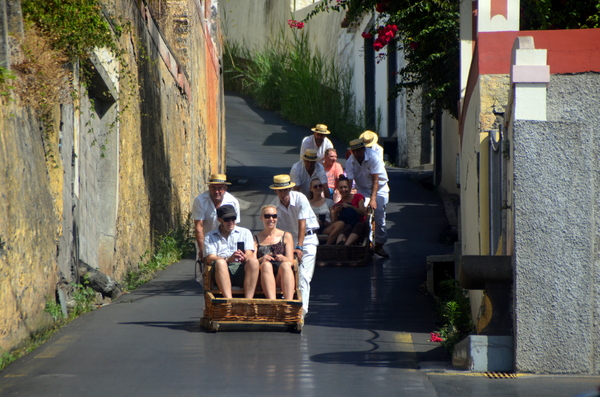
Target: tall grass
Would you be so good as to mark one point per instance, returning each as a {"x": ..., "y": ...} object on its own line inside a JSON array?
[
  {"x": 305, "y": 86},
  {"x": 169, "y": 248}
]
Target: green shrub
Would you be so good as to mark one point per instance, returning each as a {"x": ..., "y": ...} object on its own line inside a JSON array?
[
  {"x": 454, "y": 309},
  {"x": 169, "y": 248},
  {"x": 75, "y": 26},
  {"x": 299, "y": 82}
]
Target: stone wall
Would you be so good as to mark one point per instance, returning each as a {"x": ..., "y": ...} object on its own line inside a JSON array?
[
  {"x": 126, "y": 159},
  {"x": 557, "y": 231}
]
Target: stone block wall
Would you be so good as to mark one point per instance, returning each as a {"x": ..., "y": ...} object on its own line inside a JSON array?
[
  {"x": 557, "y": 227},
  {"x": 122, "y": 170}
]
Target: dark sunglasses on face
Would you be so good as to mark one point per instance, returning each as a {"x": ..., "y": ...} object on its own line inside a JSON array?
[
  {"x": 229, "y": 219},
  {"x": 268, "y": 216},
  {"x": 317, "y": 186}
]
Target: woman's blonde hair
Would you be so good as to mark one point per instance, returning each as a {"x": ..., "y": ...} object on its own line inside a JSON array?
[{"x": 264, "y": 207}]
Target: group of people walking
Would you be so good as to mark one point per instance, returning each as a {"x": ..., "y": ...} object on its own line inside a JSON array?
[{"x": 317, "y": 197}]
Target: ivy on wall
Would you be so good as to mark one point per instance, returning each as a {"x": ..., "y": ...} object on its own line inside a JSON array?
[{"x": 74, "y": 26}]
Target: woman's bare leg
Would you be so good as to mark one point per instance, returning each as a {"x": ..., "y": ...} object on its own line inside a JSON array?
[{"x": 267, "y": 280}]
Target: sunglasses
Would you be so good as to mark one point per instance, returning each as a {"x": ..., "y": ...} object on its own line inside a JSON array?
[
  {"x": 229, "y": 219},
  {"x": 269, "y": 216},
  {"x": 317, "y": 186}
]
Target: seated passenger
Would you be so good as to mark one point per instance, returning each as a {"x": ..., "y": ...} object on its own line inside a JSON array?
[
  {"x": 306, "y": 169},
  {"x": 352, "y": 212},
  {"x": 238, "y": 267},
  {"x": 333, "y": 170},
  {"x": 275, "y": 251},
  {"x": 321, "y": 207}
]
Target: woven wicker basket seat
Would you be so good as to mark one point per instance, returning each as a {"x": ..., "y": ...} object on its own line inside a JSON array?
[
  {"x": 257, "y": 313},
  {"x": 347, "y": 255}
]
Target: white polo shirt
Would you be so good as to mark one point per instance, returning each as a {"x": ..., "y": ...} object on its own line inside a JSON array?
[
  {"x": 377, "y": 149},
  {"x": 299, "y": 208},
  {"x": 204, "y": 210},
  {"x": 361, "y": 173},
  {"x": 215, "y": 243},
  {"x": 309, "y": 143},
  {"x": 300, "y": 177}
]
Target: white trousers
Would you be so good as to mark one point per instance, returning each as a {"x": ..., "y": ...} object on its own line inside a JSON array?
[
  {"x": 379, "y": 216},
  {"x": 306, "y": 269}
]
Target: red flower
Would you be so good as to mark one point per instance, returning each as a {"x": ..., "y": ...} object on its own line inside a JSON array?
[
  {"x": 413, "y": 45},
  {"x": 377, "y": 45},
  {"x": 367, "y": 35},
  {"x": 435, "y": 337},
  {"x": 295, "y": 24}
]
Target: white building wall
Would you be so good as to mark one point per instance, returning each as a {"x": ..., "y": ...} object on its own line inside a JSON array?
[{"x": 253, "y": 22}]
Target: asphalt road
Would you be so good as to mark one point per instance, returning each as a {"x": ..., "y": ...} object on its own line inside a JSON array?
[{"x": 366, "y": 333}]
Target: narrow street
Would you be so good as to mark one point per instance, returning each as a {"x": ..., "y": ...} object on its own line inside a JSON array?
[{"x": 367, "y": 332}]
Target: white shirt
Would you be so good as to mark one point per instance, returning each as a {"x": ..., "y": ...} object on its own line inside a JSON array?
[
  {"x": 377, "y": 149},
  {"x": 309, "y": 143},
  {"x": 361, "y": 173},
  {"x": 204, "y": 210},
  {"x": 216, "y": 244},
  {"x": 300, "y": 177},
  {"x": 298, "y": 209}
]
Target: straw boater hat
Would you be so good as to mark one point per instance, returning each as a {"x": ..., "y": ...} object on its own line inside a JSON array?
[
  {"x": 282, "y": 182},
  {"x": 369, "y": 137},
  {"x": 310, "y": 155},
  {"x": 218, "y": 179},
  {"x": 356, "y": 144},
  {"x": 321, "y": 129}
]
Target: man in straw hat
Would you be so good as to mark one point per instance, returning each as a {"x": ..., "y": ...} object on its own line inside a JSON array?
[
  {"x": 306, "y": 170},
  {"x": 204, "y": 212},
  {"x": 297, "y": 217},
  {"x": 317, "y": 141},
  {"x": 368, "y": 172},
  {"x": 230, "y": 249},
  {"x": 370, "y": 138}
]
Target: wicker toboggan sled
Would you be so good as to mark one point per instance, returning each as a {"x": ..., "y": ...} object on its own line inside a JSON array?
[
  {"x": 347, "y": 255},
  {"x": 256, "y": 313}
]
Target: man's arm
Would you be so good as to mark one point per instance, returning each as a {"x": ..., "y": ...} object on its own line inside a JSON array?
[
  {"x": 213, "y": 257},
  {"x": 301, "y": 234},
  {"x": 294, "y": 177},
  {"x": 199, "y": 226},
  {"x": 374, "y": 190},
  {"x": 303, "y": 146}
]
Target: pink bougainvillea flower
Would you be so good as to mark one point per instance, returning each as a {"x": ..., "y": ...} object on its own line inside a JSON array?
[
  {"x": 378, "y": 44},
  {"x": 367, "y": 35},
  {"x": 435, "y": 337},
  {"x": 295, "y": 24}
]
